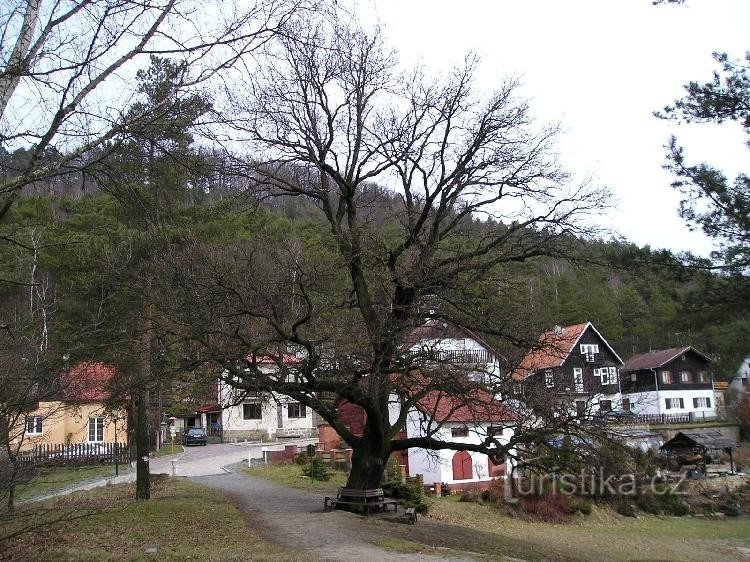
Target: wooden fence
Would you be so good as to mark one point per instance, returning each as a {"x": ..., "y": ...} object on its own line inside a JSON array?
[{"x": 77, "y": 454}]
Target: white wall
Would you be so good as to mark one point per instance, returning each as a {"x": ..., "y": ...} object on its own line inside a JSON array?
[
  {"x": 437, "y": 466},
  {"x": 654, "y": 402}
]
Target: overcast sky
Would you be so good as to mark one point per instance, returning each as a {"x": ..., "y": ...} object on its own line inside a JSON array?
[{"x": 599, "y": 68}]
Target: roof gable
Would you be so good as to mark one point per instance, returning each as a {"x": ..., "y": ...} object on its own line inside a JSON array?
[
  {"x": 656, "y": 359},
  {"x": 555, "y": 346}
]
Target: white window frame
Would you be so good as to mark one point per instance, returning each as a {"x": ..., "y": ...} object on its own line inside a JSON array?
[
  {"x": 664, "y": 375},
  {"x": 578, "y": 379},
  {"x": 587, "y": 348},
  {"x": 702, "y": 376},
  {"x": 98, "y": 429},
  {"x": 685, "y": 376},
  {"x": 549, "y": 378},
  {"x": 36, "y": 425},
  {"x": 702, "y": 402}
]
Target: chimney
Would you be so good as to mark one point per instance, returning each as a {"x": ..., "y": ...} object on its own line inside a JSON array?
[{"x": 558, "y": 330}]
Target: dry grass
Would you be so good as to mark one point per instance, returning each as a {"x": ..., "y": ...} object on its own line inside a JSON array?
[
  {"x": 606, "y": 536},
  {"x": 182, "y": 520},
  {"x": 290, "y": 475}
]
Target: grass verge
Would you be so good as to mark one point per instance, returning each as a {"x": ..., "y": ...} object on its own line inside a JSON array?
[
  {"x": 291, "y": 475},
  {"x": 183, "y": 520},
  {"x": 52, "y": 479},
  {"x": 605, "y": 535},
  {"x": 167, "y": 450}
]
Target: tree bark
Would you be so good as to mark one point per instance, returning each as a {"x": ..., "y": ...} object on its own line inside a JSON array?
[
  {"x": 369, "y": 458},
  {"x": 143, "y": 477}
]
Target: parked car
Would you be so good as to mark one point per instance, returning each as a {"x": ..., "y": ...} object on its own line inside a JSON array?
[
  {"x": 615, "y": 416},
  {"x": 194, "y": 436}
]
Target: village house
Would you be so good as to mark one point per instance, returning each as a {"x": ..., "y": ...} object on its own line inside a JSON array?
[
  {"x": 574, "y": 365},
  {"x": 257, "y": 415},
  {"x": 670, "y": 382},
  {"x": 76, "y": 412}
]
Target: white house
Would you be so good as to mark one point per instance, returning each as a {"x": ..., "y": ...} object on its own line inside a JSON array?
[
  {"x": 258, "y": 415},
  {"x": 447, "y": 418},
  {"x": 671, "y": 384}
]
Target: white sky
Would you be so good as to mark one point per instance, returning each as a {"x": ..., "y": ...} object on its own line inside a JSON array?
[{"x": 599, "y": 68}]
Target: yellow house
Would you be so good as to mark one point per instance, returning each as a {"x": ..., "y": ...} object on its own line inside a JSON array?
[{"x": 79, "y": 414}]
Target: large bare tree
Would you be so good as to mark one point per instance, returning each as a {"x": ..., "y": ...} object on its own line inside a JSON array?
[
  {"x": 66, "y": 69},
  {"x": 427, "y": 191}
]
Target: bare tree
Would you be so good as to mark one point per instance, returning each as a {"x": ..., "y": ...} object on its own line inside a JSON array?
[
  {"x": 66, "y": 69},
  {"x": 329, "y": 114}
]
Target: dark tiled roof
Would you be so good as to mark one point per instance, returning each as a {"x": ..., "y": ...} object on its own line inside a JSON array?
[{"x": 656, "y": 359}]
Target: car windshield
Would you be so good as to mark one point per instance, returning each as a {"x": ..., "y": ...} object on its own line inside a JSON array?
[{"x": 195, "y": 432}]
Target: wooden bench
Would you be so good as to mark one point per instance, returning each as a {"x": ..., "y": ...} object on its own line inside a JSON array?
[{"x": 367, "y": 499}]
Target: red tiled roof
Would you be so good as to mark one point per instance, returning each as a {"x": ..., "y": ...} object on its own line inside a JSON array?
[
  {"x": 87, "y": 381},
  {"x": 479, "y": 406},
  {"x": 273, "y": 360},
  {"x": 206, "y": 408},
  {"x": 656, "y": 359},
  {"x": 554, "y": 348}
]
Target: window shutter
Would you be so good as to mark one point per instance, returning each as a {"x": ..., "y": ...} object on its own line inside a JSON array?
[
  {"x": 708, "y": 402},
  {"x": 682, "y": 403},
  {"x": 695, "y": 402},
  {"x": 668, "y": 403}
]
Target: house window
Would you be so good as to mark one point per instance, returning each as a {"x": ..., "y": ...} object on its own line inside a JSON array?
[
  {"x": 685, "y": 376},
  {"x": 674, "y": 403},
  {"x": 494, "y": 430},
  {"x": 252, "y": 411},
  {"x": 459, "y": 431},
  {"x": 605, "y": 405},
  {"x": 462, "y": 467},
  {"x": 607, "y": 375},
  {"x": 702, "y": 376},
  {"x": 549, "y": 379},
  {"x": 666, "y": 377},
  {"x": 578, "y": 379},
  {"x": 702, "y": 402},
  {"x": 626, "y": 404},
  {"x": 495, "y": 466},
  {"x": 633, "y": 377},
  {"x": 96, "y": 429},
  {"x": 296, "y": 410},
  {"x": 34, "y": 425},
  {"x": 589, "y": 348}
]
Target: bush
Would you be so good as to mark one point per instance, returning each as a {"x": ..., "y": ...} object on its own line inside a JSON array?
[
  {"x": 408, "y": 495},
  {"x": 301, "y": 459},
  {"x": 666, "y": 503},
  {"x": 579, "y": 505},
  {"x": 468, "y": 496},
  {"x": 316, "y": 469},
  {"x": 623, "y": 506},
  {"x": 552, "y": 507},
  {"x": 445, "y": 489},
  {"x": 731, "y": 507}
]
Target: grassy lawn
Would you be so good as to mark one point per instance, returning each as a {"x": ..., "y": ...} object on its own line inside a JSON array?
[
  {"x": 183, "y": 520},
  {"x": 48, "y": 480},
  {"x": 167, "y": 450},
  {"x": 291, "y": 475},
  {"x": 604, "y": 535}
]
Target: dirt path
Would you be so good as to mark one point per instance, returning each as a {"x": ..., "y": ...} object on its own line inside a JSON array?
[{"x": 295, "y": 518}]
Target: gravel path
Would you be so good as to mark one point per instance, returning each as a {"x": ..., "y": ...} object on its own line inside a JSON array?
[{"x": 295, "y": 518}]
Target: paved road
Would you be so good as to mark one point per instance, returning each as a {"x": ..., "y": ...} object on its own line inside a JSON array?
[{"x": 195, "y": 461}]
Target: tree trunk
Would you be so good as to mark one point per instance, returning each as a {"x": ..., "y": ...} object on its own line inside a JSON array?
[
  {"x": 143, "y": 477},
  {"x": 369, "y": 459}
]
